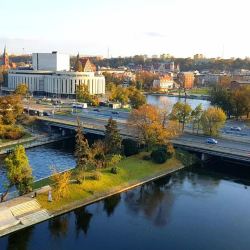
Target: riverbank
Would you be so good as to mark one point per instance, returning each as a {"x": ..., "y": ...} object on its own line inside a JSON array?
[{"x": 134, "y": 171}]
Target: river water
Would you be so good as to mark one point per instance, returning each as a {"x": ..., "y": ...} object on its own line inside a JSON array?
[
  {"x": 171, "y": 100},
  {"x": 195, "y": 208}
]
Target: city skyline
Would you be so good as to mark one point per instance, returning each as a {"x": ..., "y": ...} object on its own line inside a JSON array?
[{"x": 179, "y": 28}]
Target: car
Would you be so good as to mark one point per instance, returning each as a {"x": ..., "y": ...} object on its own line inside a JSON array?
[
  {"x": 115, "y": 112},
  {"x": 97, "y": 110},
  {"x": 235, "y": 128},
  {"x": 211, "y": 141}
]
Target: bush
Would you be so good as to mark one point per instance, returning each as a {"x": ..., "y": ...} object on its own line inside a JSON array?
[
  {"x": 97, "y": 176},
  {"x": 114, "y": 170},
  {"x": 11, "y": 132},
  {"x": 146, "y": 157},
  {"x": 163, "y": 153},
  {"x": 130, "y": 147},
  {"x": 186, "y": 158}
]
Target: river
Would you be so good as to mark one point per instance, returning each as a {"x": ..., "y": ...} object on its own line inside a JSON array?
[
  {"x": 160, "y": 99},
  {"x": 195, "y": 208}
]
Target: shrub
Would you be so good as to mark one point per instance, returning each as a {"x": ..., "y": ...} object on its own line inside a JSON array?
[
  {"x": 115, "y": 159},
  {"x": 11, "y": 132},
  {"x": 96, "y": 175},
  {"x": 146, "y": 157},
  {"x": 114, "y": 170},
  {"x": 130, "y": 147},
  {"x": 163, "y": 153}
]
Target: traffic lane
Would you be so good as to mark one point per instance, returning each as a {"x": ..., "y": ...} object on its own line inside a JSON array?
[
  {"x": 221, "y": 142},
  {"x": 93, "y": 121}
]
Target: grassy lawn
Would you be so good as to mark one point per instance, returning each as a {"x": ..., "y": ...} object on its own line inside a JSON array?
[
  {"x": 25, "y": 136},
  {"x": 132, "y": 169},
  {"x": 199, "y": 91}
]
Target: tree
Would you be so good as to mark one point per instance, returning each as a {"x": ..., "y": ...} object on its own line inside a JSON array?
[
  {"x": 61, "y": 184},
  {"x": 19, "y": 172},
  {"x": 115, "y": 159},
  {"x": 212, "y": 120},
  {"x": 112, "y": 138},
  {"x": 98, "y": 153},
  {"x": 10, "y": 109},
  {"x": 22, "y": 89},
  {"x": 82, "y": 94},
  {"x": 136, "y": 98},
  {"x": 82, "y": 150},
  {"x": 221, "y": 97},
  {"x": 240, "y": 101},
  {"x": 119, "y": 94},
  {"x": 181, "y": 112},
  {"x": 148, "y": 125},
  {"x": 196, "y": 117}
]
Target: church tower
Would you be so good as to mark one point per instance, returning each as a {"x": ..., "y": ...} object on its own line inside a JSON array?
[{"x": 6, "y": 62}]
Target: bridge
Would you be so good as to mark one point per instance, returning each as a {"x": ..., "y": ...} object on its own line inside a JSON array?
[{"x": 229, "y": 148}]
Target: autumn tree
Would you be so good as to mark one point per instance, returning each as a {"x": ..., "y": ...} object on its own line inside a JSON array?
[
  {"x": 19, "y": 172},
  {"x": 10, "y": 109},
  {"x": 82, "y": 93},
  {"x": 196, "y": 117},
  {"x": 60, "y": 184},
  {"x": 212, "y": 120},
  {"x": 147, "y": 124},
  {"x": 22, "y": 89},
  {"x": 82, "y": 150},
  {"x": 119, "y": 94},
  {"x": 181, "y": 112},
  {"x": 112, "y": 138}
]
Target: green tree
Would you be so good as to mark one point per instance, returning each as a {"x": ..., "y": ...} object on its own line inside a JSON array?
[
  {"x": 112, "y": 138},
  {"x": 82, "y": 150},
  {"x": 196, "y": 117},
  {"x": 221, "y": 97},
  {"x": 212, "y": 120},
  {"x": 19, "y": 172},
  {"x": 136, "y": 98},
  {"x": 181, "y": 112},
  {"x": 22, "y": 89}
]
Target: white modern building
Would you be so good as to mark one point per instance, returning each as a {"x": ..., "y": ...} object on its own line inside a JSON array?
[
  {"x": 51, "y": 76},
  {"x": 164, "y": 83},
  {"x": 50, "y": 61}
]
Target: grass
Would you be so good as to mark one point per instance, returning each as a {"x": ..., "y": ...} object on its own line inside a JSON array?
[
  {"x": 25, "y": 136},
  {"x": 199, "y": 91},
  {"x": 132, "y": 169}
]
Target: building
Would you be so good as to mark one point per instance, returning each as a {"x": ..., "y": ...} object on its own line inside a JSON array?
[
  {"x": 186, "y": 79},
  {"x": 164, "y": 83},
  {"x": 51, "y": 76},
  {"x": 165, "y": 67},
  {"x": 50, "y": 61},
  {"x": 207, "y": 79}
]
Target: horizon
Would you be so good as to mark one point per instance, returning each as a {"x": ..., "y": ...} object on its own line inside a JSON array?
[{"x": 112, "y": 29}]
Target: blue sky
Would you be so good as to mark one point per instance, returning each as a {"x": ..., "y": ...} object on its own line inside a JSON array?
[{"x": 178, "y": 27}]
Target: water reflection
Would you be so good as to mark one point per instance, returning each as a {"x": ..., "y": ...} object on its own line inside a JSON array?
[
  {"x": 196, "y": 208},
  {"x": 111, "y": 203},
  {"x": 154, "y": 200},
  {"x": 19, "y": 240},
  {"x": 82, "y": 220},
  {"x": 59, "y": 226}
]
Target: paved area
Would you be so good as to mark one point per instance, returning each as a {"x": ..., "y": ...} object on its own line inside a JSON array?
[{"x": 19, "y": 213}]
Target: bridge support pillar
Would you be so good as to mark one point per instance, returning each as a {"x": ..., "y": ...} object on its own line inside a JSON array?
[
  {"x": 63, "y": 132},
  {"x": 203, "y": 156}
]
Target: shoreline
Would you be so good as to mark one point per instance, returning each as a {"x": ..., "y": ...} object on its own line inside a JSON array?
[{"x": 94, "y": 198}]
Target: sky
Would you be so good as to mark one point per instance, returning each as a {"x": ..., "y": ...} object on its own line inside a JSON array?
[{"x": 215, "y": 28}]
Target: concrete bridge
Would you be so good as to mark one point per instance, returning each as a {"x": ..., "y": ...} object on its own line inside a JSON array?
[{"x": 232, "y": 149}]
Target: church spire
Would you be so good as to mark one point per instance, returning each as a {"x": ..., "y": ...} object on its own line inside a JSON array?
[{"x": 5, "y": 58}]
